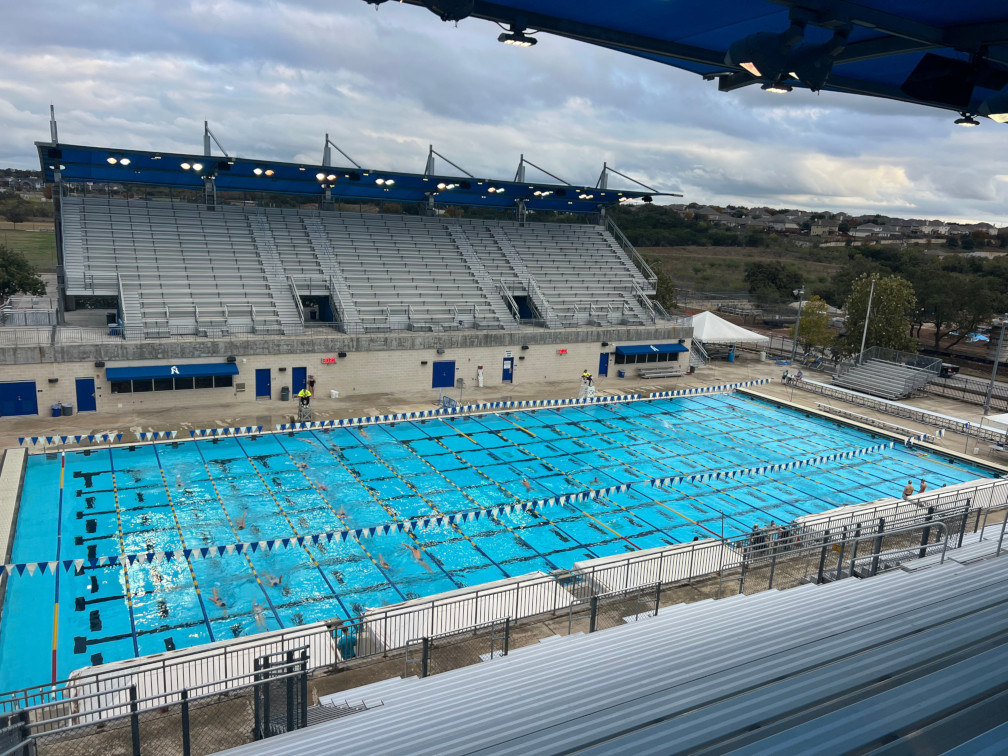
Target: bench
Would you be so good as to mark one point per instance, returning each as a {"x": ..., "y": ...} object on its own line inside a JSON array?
[{"x": 661, "y": 372}]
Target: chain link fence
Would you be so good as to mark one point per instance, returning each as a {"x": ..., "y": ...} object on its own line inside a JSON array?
[{"x": 448, "y": 651}]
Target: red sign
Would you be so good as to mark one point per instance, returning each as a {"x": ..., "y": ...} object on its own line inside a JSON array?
[
  {"x": 328, "y": 360},
  {"x": 561, "y": 351}
]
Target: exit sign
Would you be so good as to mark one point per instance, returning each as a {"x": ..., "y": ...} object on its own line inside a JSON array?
[
  {"x": 561, "y": 351},
  {"x": 328, "y": 360}
]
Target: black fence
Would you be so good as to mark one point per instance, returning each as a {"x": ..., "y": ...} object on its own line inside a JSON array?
[{"x": 274, "y": 701}]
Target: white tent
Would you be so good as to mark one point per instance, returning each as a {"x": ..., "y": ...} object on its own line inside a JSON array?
[{"x": 710, "y": 329}]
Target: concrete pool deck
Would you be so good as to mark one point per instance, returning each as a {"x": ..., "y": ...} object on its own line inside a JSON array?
[{"x": 272, "y": 412}]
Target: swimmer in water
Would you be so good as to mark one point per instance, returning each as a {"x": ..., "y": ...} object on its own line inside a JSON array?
[
  {"x": 596, "y": 482},
  {"x": 528, "y": 486},
  {"x": 215, "y": 597},
  {"x": 273, "y": 580},
  {"x": 341, "y": 513},
  {"x": 418, "y": 556},
  {"x": 323, "y": 487},
  {"x": 257, "y": 612},
  {"x": 178, "y": 481},
  {"x": 241, "y": 523},
  {"x": 383, "y": 563}
]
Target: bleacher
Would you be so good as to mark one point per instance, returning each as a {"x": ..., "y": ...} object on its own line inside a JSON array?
[
  {"x": 889, "y": 380},
  {"x": 184, "y": 269},
  {"x": 910, "y": 661}
]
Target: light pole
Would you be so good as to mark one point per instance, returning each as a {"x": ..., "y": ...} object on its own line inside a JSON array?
[
  {"x": 997, "y": 356},
  {"x": 794, "y": 339},
  {"x": 864, "y": 335}
]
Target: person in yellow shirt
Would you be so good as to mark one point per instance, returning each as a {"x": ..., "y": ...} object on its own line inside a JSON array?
[{"x": 305, "y": 396}]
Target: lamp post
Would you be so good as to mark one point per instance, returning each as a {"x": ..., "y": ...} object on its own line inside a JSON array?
[
  {"x": 997, "y": 356},
  {"x": 867, "y": 314},
  {"x": 794, "y": 340}
]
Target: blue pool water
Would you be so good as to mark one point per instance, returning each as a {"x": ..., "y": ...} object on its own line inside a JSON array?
[{"x": 198, "y": 494}]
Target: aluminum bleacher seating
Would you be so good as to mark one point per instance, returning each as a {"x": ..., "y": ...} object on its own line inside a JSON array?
[
  {"x": 905, "y": 662},
  {"x": 182, "y": 266}
]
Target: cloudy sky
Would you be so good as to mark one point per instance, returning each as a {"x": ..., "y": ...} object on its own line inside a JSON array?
[{"x": 273, "y": 76}]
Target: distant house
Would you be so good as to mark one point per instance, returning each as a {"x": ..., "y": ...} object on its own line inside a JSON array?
[{"x": 824, "y": 228}]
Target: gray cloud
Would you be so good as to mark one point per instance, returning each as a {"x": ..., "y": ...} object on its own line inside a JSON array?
[{"x": 273, "y": 76}]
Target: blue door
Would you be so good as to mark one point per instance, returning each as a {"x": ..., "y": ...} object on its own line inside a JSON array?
[
  {"x": 444, "y": 374},
  {"x": 603, "y": 363},
  {"x": 18, "y": 398},
  {"x": 86, "y": 395},
  {"x": 264, "y": 384},
  {"x": 508, "y": 370},
  {"x": 298, "y": 378}
]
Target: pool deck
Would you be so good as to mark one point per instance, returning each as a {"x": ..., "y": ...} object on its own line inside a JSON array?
[{"x": 272, "y": 412}]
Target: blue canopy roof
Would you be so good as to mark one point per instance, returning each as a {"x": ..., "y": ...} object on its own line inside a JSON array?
[
  {"x": 941, "y": 54},
  {"x": 108, "y": 165},
  {"x": 146, "y": 372},
  {"x": 651, "y": 349}
]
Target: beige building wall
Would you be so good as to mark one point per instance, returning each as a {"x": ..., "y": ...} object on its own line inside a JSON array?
[{"x": 361, "y": 372}]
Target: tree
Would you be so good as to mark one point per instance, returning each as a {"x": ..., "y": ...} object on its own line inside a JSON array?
[
  {"x": 814, "y": 331},
  {"x": 771, "y": 281},
  {"x": 955, "y": 302},
  {"x": 892, "y": 306},
  {"x": 15, "y": 213},
  {"x": 665, "y": 290},
  {"x": 17, "y": 275},
  {"x": 843, "y": 227}
]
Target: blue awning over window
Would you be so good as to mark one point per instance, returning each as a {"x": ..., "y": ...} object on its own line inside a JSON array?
[
  {"x": 146, "y": 372},
  {"x": 651, "y": 349}
]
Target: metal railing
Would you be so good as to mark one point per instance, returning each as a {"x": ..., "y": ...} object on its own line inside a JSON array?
[
  {"x": 635, "y": 256},
  {"x": 271, "y": 700},
  {"x": 971, "y": 390},
  {"x": 297, "y": 298}
]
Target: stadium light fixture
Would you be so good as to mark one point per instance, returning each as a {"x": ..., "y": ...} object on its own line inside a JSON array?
[
  {"x": 257, "y": 171},
  {"x": 777, "y": 87},
  {"x": 269, "y": 171},
  {"x": 320, "y": 176},
  {"x": 186, "y": 166},
  {"x": 995, "y": 107},
  {"x": 124, "y": 161},
  {"x": 517, "y": 39},
  {"x": 966, "y": 120},
  {"x": 812, "y": 64},
  {"x": 111, "y": 160},
  {"x": 441, "y": 185}
]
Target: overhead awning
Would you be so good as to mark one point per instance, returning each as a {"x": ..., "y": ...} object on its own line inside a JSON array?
[
  {"x": 651, "y": 349},
  {"x": 146, "y": 372}
]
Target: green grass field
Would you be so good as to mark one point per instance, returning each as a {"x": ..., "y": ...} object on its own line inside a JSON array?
[{"x": 38, "y": 246}]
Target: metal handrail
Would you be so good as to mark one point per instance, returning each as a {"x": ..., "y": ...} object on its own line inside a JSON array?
[
  {"x": 635, "y": 256},
  {"x": 297, "y": 298}
]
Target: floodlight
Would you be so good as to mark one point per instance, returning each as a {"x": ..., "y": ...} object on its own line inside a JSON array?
[
  {"x": 124, "y": 161},
  {"x": 379, "y": 181},
  {"x": 269, "y": 171},
  {"x": 492, "y": 189},
  {"x": 451, "y": 186},
  {"x": 111, "y": 160},
  {"x": 197, "y": 166},
  {"x": 320, "y": 176},
  {"x": 330, "y": 177},
  {"x": 777, "y": 87},
  {"x": 186, "y": 166},
  {"x": 647, "y": 198},
  {"x": 441, "y": 185},
  {"x": 389, "y": 182},
  {"x": 517, "y": 39},
  {"x": 966, "y": 120},
  {"x": 995, "y": 107},
  {"x": 257, "y": 171},
  {"x": 537, "y": 193},
  {"x": 765, "y": 54}
]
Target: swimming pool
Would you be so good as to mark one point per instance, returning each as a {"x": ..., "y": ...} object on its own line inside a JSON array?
[{"x": 315, "y": 497}]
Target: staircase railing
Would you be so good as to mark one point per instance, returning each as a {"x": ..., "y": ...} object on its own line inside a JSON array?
[
  {"x": 542, "y": 306},
  {"x": 340, "y": 307},
  {"x": 297, "y": 298},
  {"x": 697, "y": 350},
  {"x": 635, "y": 256}
]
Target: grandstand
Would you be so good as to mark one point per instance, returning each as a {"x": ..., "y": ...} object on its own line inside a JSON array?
[{"x": 185, "y": 269}]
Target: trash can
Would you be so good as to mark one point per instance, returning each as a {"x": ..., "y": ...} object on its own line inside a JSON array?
[
  {"x": 67, "y": 409},
  {"x": 333, "y": 394},
  {"x": 285, "y": 393},
  {"x": 56, "y": 409},
  {"x": 692, "y": 369},
  {"x": 621, "y": 373}
]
